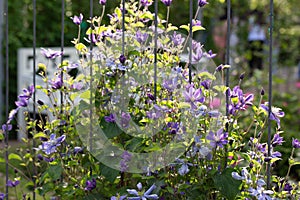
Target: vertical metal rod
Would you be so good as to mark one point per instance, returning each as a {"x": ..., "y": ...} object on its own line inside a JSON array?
[
  {"x": 190, "y": 40},
  {"x": 62, "y": 42},
  {"x": 227, "y": 57},
  {"x": 227, "y": 71},
  {"x": 6, "y": 94},
  {"x": 270, "y": 91},
  {"x": 91, "y": 81},
  {"x": 62, "y": 51},
  {"x": 123, "y": 27},
  {"x": 34, "y": 94},
  {"x": 155, "y": 47}
]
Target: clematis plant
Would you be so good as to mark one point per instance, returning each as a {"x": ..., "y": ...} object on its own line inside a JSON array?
[{"x": 147, "y": 110}]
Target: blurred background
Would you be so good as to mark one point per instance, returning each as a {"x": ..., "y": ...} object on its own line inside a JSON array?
[{"x": 247, "y": 16}]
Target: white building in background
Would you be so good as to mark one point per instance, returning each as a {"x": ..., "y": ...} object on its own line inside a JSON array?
[{"x": 25, "y": 77}]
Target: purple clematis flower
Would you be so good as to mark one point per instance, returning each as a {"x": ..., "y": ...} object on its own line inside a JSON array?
[
  {"x": 126, "y": 158},
  {"x": 12, "y": 114},
  {"x": 173, "y": 127},
  {"x": 196, "y": 22},
  {"x": 141, "y": 37},
  {"x": 155, "y": 113},
  {"x": 218, "y": 139},
  {"x": 110, "y": 118},
  {"x": 177, "y": 39},
  {"x": 144, "y": 196},
  {"x": 275, "y": 114},
  {"x": 260, "y": 192},
  {"x": 50, "y": 54},
  {"x": 23, "y": 98},
  {"x": 102, "y": 2},
  {"x": 197, "y": 52},
  {"x": 193, "y": 96},
  {"x": 277, "y": 140},
  {"x": 118, "y": 197},
  {"x": 125, "y": 119},
  {"x": 2, "y": 196},
  {"x": 6, "y": 127},
  {"x": 90, "y": 184},
  {"x": 11, "y": 183},
  {"x": 57, "y": 83},
  {"x": 296, "y": 143},
  {"x": 167, "y": 2},
  {"x": 210, "y": 54},
  {"x": 77, "y": 19},
  {"x": 146, "y": 3},
  {"x": 202, "y": 3},
  {"x": 50, "y": 146},
  {"x": 238, "y": 101}
]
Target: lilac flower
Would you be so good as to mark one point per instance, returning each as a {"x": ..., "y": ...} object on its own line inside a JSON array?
[
  {"x": 141, "y": 37},
  {"x": 126, "y": 158},
  {"x": 90, "y": 184},
  {"x": 50, "y": 146},
  {"x": 277, "y": 140},
  {"x": 110, "y": 118},
  {"x": 77, "y": 19},
  {"x": 238, "y": 101},
  {"x": 217, "y": 139},
  {"x": 11, "y": 183},
  {"x": 210, "y": 54},
  {"x": 102, "y": 2},
  {"x": 77, "y": 86},
  {"x": 202, "y": 3},
  {"x": 177, "y": 39},
  {"x": 275, "y": 114},
  {"x": 167, "y": 2},
  {"x": 170, "y": 84},
  {"x": 296, "y": 143},
  {"x": 193, "y": 96},
  {"x": 57, "y": 83},
  {"x": 139, "y": 196},
  {"x": 50, "y": 54},
  {"x": 125, "y": 119},
  {"x": 146, "y": 3}
]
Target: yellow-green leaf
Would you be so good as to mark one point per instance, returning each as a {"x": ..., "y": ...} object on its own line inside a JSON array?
[{"x": 13, "y": 156}]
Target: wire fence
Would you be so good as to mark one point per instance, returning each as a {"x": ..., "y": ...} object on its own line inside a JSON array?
[{"x": 191, "y": 3}]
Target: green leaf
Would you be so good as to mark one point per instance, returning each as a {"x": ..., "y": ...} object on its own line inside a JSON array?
[
  {"x": 111, "y": 130},
  {"x": 2, "y": 160},
  {"x": 109, "y": 173},
  {"x": 228, "y": 186},
  {"x": 13, "y": 156},
  {"x": 197, "y": 28},
  {"x": 55, "y": 171},
  {"x": 185, "y": 27},
  {"x": 39, "y": 135}
]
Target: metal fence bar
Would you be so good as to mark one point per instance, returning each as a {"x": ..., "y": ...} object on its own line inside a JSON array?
[
  {"x": 123, "y": 28},
  {"x": 190, "y": 40},
  {"x": 270, "y": 92},
  {"x": 34, "y": 94},
  {"x": 62, "y": 52},
  {"x": 91, "y": 79},
  {"x": 6, "y": 94},
  {"x": 155, "y": 47}
]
